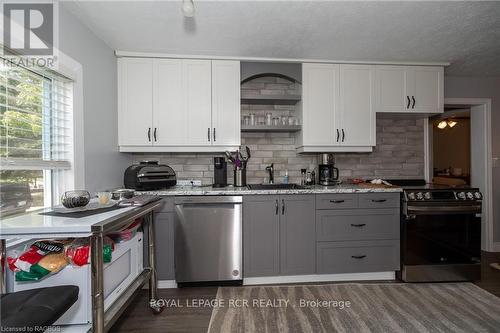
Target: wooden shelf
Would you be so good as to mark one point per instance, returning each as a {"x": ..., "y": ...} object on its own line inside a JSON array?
[
  {"x": 265, "y": 128},
  {"x": 271, "y": 100}
]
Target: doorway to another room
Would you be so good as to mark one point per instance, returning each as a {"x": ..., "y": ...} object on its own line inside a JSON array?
[
  {"x": 481, "y": 161},
  {"x": 451, "y": 147}
]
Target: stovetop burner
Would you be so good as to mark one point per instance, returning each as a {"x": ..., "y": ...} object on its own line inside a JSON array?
[{"x": 417, "y": 190}]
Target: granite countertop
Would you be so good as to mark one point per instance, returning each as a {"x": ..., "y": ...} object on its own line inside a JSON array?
[{"x": 231, "y": 190}]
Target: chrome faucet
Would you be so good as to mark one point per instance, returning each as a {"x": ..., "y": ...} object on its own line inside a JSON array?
[{"x": 271, "y": 173}]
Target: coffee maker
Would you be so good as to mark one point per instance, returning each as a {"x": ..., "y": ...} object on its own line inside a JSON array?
[
  {"x": 220, "y": 172},
  {"x": 328, "y": 173}
]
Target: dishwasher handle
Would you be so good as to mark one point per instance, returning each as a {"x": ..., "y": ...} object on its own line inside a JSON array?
[{"x": 195, "y": 200}]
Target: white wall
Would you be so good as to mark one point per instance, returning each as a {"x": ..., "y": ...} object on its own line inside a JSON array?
[
  {"x": 104, "y": 165},
  {"x": 483, "y": 87}
]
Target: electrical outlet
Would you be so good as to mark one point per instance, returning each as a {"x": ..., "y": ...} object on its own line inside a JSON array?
[{"x": 188, "y": 182}]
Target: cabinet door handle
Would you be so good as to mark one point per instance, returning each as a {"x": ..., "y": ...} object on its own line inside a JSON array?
[
  {"x": 277, "y": 207},
  {"x": 408, "y": 105},
  {"x": 379, "y": 200},
  {"x": 358, "y": 257},
  {"x": 208, "y": 134},
  {"x": 149, "y": 134},
  {"x": 337, "y": 201},
  {"x": 282, "y": 207},
  {"x": 343, "y": 135},
  {"x": 360, "y": 225},
  {"x": 154, "y": 134},
  {"x": 214, "y": 134},
  {"x": 413, "y": 99},
  {"x": 338, "y": 135}
]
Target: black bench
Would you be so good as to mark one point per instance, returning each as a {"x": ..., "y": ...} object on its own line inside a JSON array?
[{"x": 30, "y": 310}]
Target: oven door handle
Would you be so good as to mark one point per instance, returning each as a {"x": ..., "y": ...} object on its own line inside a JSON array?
[{"x": 429, "y": 210}]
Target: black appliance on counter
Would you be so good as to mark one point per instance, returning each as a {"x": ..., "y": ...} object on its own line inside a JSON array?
[
  {"x": 440, "y": 233},
  {"x": 149, "y": 175},
  {"x": 220, "y": 172},
  {"x": 328, "y": 173}
]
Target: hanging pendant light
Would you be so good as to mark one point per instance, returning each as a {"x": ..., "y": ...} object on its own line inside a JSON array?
[{"x": 442, "y": 124}]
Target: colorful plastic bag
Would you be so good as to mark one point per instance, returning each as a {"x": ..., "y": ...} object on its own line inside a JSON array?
[
  {"x": 39, "y": 260},
  {"x": 78, "y": 252}
]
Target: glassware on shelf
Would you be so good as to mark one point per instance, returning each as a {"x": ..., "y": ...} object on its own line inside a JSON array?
[
  {"x": 276, "y": 121},
  {"x": 269, "y": 118},
  {"x": 284, "y": 120},
  {"x": 291, "y": 121},
  {"x": 252, "y": 119},
  {"x": 246, "y": 120}
]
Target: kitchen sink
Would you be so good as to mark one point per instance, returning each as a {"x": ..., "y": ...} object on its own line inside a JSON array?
[{"x": 275, "y": 187}]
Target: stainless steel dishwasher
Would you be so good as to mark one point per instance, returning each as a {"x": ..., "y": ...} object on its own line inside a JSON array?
[{"x": 208, "y": 239}]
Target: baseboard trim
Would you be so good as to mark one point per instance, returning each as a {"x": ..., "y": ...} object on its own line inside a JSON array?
[
  {"x": 319, "y": 278},
  {"x": 167, "y": 284},
  {"x": 163, "y": 284},
  {"x": 171, "y": 284}
]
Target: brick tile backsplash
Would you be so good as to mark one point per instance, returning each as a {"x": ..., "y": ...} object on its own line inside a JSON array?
[
  {"x": 403, "y": 159},
  {"x": 399, "y": 152}
]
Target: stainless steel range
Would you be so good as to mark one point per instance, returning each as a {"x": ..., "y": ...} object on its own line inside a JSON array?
[{"x": 440, "y": 234}]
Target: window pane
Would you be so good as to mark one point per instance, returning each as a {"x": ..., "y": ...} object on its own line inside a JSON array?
[
  {"x": 21, "y": 191},
  {"x": 21, "y": 115}
]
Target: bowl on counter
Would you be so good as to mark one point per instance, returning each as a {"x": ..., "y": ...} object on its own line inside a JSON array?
[
  {"x": 122, "y": 193},
  {"x": 74, "y": 199}
]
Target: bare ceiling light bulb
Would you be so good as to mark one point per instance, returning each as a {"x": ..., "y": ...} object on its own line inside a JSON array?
[
  {"x": 442, "y": 124},
  {"x": 188, "y": 8},
  {"x": 451, "y": 123}
]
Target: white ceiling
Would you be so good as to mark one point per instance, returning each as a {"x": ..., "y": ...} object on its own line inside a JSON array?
[{"x": 467, "y": 34}]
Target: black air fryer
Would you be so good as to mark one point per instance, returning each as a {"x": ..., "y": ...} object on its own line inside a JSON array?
[
  {"x": 220, "y": 172},
  {"x": 149, "y": 175}
]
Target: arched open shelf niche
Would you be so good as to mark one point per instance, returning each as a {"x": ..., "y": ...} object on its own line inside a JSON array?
[
  {"x": 281, "y": 99},
  {"x": 278, "y": 75}
]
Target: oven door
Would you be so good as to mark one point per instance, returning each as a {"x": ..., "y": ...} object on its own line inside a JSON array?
[{"x": 441, "y": 243}]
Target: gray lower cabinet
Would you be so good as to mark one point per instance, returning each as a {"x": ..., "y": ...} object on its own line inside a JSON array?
[
  {"x": 357, "y": 256},
  {"x": 164, "y": 231},
  {"x": 357, "y": 224},
  {"x": 357, "y": 235},
  {"x": 261, "y": 216},
  {"x": 279, "y": 235},
  {"x": 297, "y": 235}
]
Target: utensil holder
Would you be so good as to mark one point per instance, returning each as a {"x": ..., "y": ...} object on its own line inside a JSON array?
[{"x": 240, "y": 177}]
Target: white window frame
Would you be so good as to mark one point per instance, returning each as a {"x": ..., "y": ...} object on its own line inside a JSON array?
[
  {"x": 73, "y": 178},
  {"x": 56, "y": 182}
]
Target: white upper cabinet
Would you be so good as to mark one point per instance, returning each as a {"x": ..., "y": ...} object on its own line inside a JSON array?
[
  {"x": 197, "y": 87},
  {"x": 226, "y": 103},
  {"x": 178, "y": 105},
  {"x": 409, "y": 89},
  {"x": 135, "y": 101},
  {"x": 169, "y": 117},
  {"x": 338, "y": 108},
  {"x": 428, "y": 89},
  {"x": 391, "y": 88},
  {"x": 357, "y": 106},
  {"x": 320, "y": 99}
]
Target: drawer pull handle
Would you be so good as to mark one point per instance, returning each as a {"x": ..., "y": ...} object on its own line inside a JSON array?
[
  {"x": 358, "y": 257},
  {"x": 358, "y": 225},
  {"x": 337, "y": 201},
  {"x": 379, "y": 200}
]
